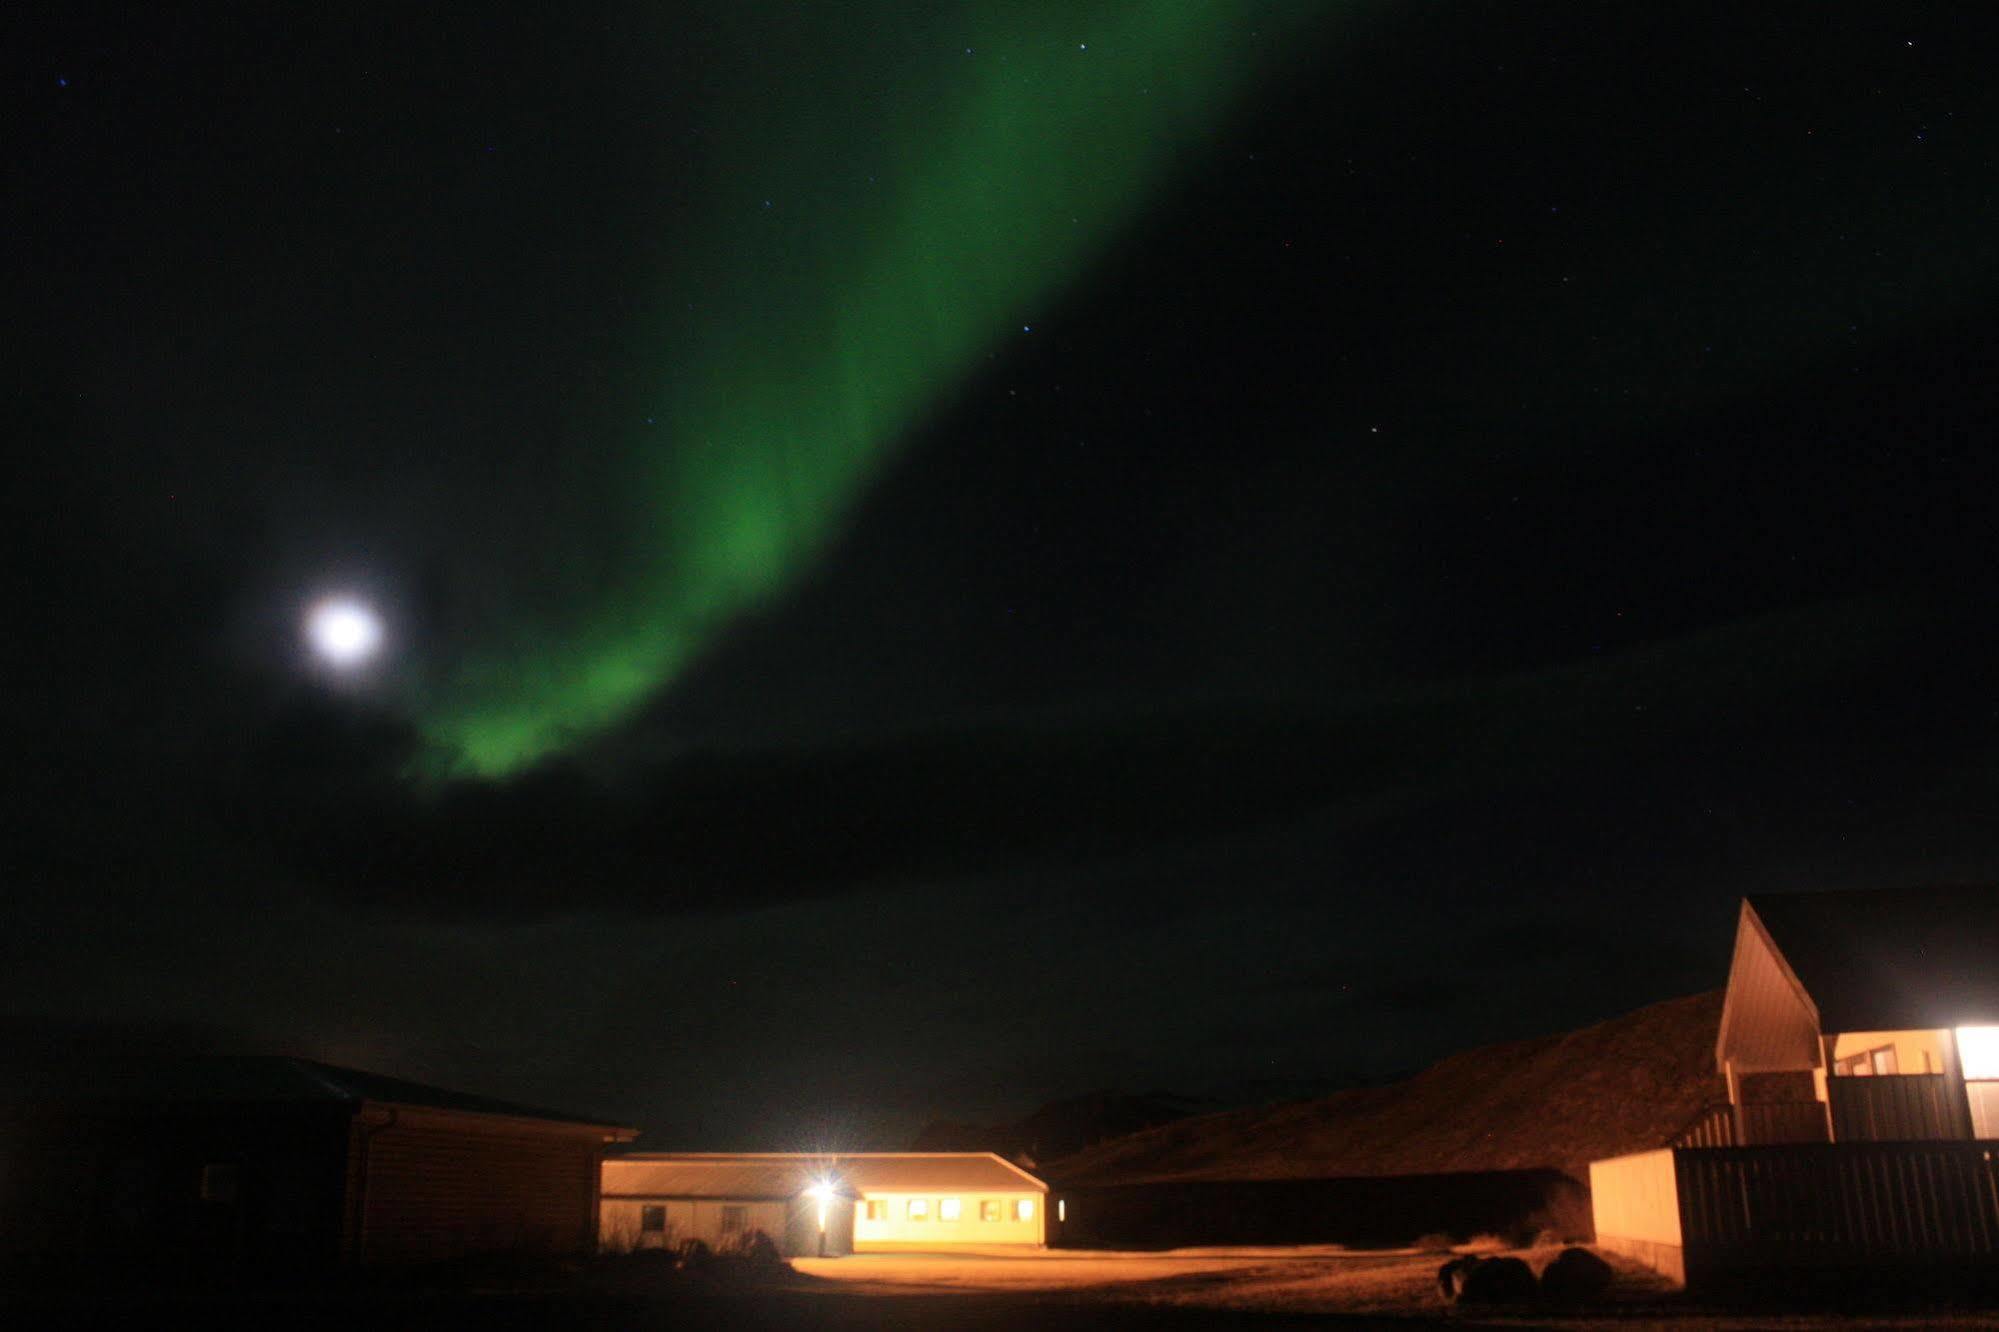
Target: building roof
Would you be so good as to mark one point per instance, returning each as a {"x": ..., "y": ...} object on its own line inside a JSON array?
[
  {"x": 1874, "y": 960},
  {"x": 714, "y": 1174},
  {"x": 787, "y": 1174},
  {"x": 898, "y": 1172},
  {"x": 218, "y": 1080}
]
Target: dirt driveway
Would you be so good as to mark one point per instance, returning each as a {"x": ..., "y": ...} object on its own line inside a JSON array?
[{"x": 1187, "y": 1286}]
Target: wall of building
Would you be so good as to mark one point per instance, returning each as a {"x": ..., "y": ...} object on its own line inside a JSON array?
[
  {"x": 621, "y": 1229},
  {"x": 168, "y": 1189},
  {"x": 1361, "y": 1211},
  {"x": 1915, "y": 1051},
  {"x": 428, "y": 1185},
  {"x": 1635, "y": 1202},
  {"x": 899, "y": 1229}
]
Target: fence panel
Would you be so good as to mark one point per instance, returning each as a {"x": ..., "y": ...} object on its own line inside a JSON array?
[
  {"x": 1894, "y": 1107},
  {"x": 1914, "y": 1202},
  {"x": 1782, "y": 1121}
]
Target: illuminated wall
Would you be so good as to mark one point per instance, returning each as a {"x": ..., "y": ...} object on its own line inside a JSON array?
[
  {"x": 1915, "y": 1051},
  {"x": 900, "y": 1224}
]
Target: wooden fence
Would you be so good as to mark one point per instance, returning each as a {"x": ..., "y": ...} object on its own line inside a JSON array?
[
  {"x": 1763, "y": 1122},
  {"x": 1769, "y": 1122},
  {"x": 1903, "y": 1107},
  {"x": 1852, "y": 1204},
  {"x": 1857, "y": 1209}
]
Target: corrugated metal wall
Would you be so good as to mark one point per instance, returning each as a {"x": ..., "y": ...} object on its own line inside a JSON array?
[{"x": 426, "y": 1185}]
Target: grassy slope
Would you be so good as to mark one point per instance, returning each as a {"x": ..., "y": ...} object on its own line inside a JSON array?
[{"x": 1562, "y": 1101}]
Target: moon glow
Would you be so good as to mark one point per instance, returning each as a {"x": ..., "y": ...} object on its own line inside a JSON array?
[{"x": 344, "y": 632}]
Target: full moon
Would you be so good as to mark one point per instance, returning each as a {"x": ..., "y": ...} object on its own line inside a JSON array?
[{"x": 344, "y": 632}]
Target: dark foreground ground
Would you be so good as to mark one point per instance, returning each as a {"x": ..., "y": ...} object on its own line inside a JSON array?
[{"x": 1250, "y": 1289}]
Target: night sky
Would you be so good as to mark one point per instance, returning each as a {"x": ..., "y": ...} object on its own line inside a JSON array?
[{"x": 938, "y": 557}]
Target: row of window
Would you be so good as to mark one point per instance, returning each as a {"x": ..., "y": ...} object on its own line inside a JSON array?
[
  {"x": 652, "y": 1216},
  {"x": 949, "y": 1209},
  {"x": 1876, "y": 1063}
]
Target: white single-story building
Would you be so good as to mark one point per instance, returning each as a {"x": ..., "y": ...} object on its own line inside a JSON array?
[
  {"x": 820, "y": 1203},
  {"x": 659, "y": 1200},
  {"x": 923, "y": 1199}
]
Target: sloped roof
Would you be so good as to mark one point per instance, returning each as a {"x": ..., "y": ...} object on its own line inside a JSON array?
[
  {"x": 895, "y": 1172},
  {"x": 714, "y": 1174},
  {"x": 1894, "y": 960},
  {"x": 787, "y": 1174},
  {"x": 280, "y": 1080}
]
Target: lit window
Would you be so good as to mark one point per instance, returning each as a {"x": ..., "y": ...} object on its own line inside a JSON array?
[
  {"x": 1023, "y": 1209},
  {"x": 1978, "y": 1052},
  {"x": 1061, "y": 1209},
  {"x": 949, "y": 1209},
  {"x": 1868, "y": 1063},
  {"x": 652, "y": 1219},
  {"x": 877, "y": 1210},
  {"x": 734, "y": 1220},
  {"x": 919, "y": 1209},
  {"x": 989, "y": 1210}
]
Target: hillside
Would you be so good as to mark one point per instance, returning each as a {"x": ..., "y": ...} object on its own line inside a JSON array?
[
  {"x": 1561, "y": 1101},
  {"x": 1061, "y": 1128}
]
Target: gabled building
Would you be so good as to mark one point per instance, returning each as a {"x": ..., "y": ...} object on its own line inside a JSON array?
[
  {"x": 269, "y": 1164},
  {"x": 1864, "y": 1017},
  {"x": 662, "y": 1200},
  {"x": 1859, "y": 1041},
  {"x": 813, "y": 1204}
]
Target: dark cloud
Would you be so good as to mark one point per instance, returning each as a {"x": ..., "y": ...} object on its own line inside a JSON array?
[{"x": 731, "y": 831}]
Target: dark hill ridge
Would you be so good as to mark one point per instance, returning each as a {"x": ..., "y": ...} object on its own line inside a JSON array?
[
  {"x": 1625, "y": 1085},
  {"x": 1062, "y": 1128}
]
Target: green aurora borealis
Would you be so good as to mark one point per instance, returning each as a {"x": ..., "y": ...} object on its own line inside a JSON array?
[{"x": 898, "y": 196}]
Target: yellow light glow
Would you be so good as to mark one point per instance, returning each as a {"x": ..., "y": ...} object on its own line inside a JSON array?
[
  {"x": 1023, "y": 1209},
  {"x": 1978, "y": 1052},
  {"x": 822, "y": 1218},
  {"x": 950, "y": 1209}
]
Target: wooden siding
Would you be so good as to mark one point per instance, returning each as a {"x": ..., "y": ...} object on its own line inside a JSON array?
[
  {"x": 792, "y": 1224},
  {"x": 1767, "y": 1022},
  {"x": 427, "y": 1185},
  {"x": 1904, "y": 1107},
  {"x": 1783, "y": 1207}
]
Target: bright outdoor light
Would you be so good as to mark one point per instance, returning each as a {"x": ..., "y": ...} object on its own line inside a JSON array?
[
  {"x": 345, "y": 633},
  {"x": 1978, "y": 1052}
]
